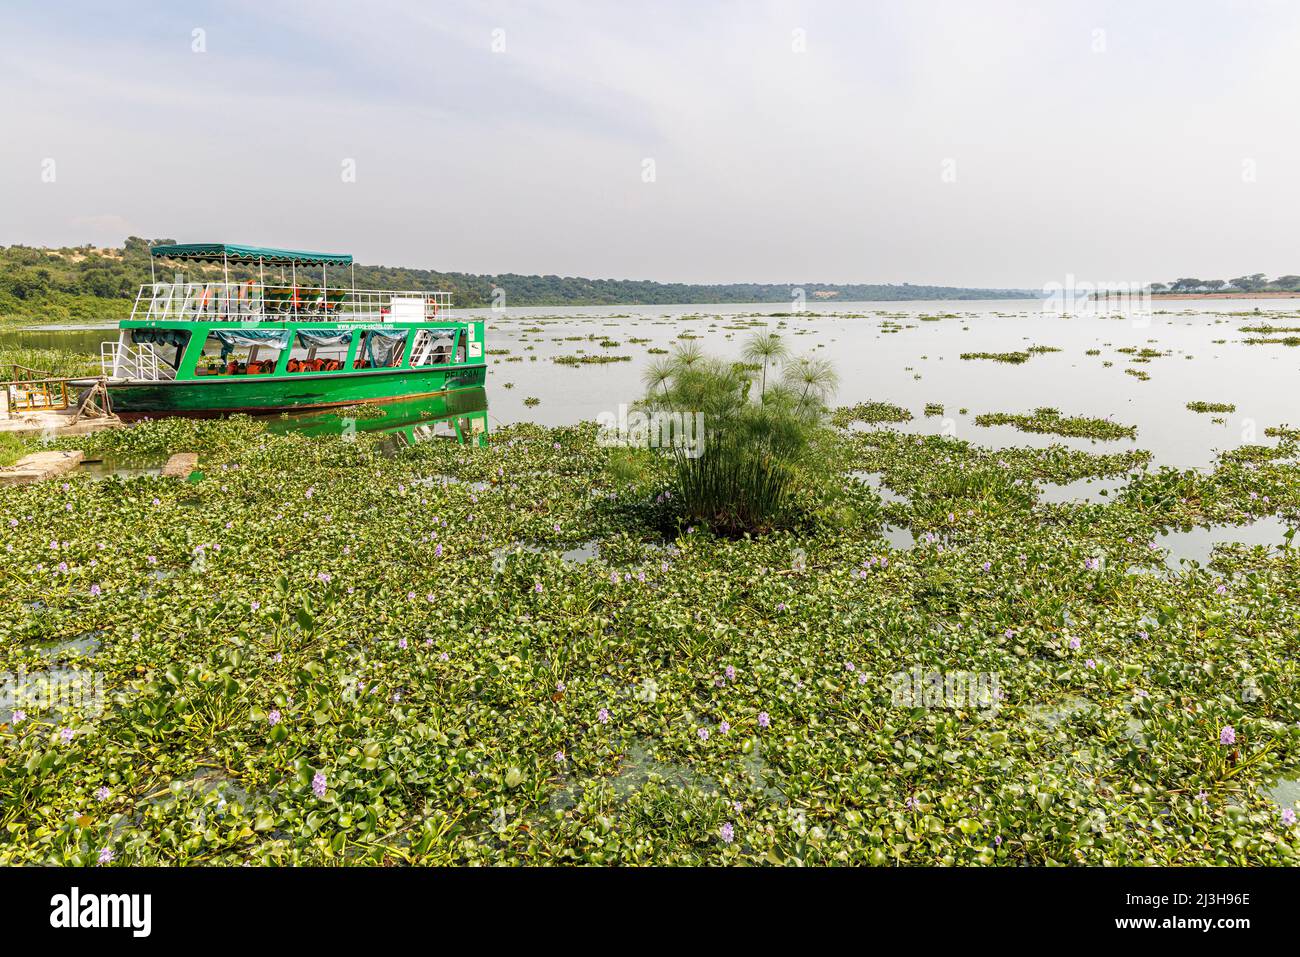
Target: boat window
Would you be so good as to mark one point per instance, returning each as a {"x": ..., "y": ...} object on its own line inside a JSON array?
[
  {"x": 241, "y": 352},
  {"x": 166, "y": 344},
  {"x": 381, "y": 349},
  {"x": 432, "y": 347},
  {"x": 319, "y": 350}
]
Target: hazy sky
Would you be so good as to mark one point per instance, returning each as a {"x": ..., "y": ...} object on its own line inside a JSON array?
[{"x": 966, "y": 142}]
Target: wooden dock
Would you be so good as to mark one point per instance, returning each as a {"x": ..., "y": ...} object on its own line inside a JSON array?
[{"x": 37, "y": 403}]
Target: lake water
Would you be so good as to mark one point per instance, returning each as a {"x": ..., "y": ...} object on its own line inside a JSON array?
[{"x": 889, "y": 352}]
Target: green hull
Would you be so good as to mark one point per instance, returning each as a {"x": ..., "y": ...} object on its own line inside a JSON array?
[{"x": 221, "y": 395}]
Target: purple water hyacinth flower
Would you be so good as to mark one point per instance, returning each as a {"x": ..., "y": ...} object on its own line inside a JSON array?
[
  {"x": 1221, "y": 590},
  {"x": 560, "y": 687},
  {"x": 703, "y": 733},
  {"x": 444, "y": 657},
  {"x": 19, "y": 717},
  {"x": 318, "y": 784},
  {"x": 438, "y": 551},
  {"x": 94, "y": 591},
  {"x": 603, "y": 716},
  {"x": 325, "y": 577},
  {"x": 1228, "y": 735},
  {"x": 724, "y": 727},
  {"x": 780, "y": 606},
  {"x": 763, "y": 720},
  {"x": 1090, "y": 663},
  {"x": 997, "y": 841},
  {"x": 730, "y": 672},
  {"x": 1074, "y": 644},
  {"x": 273, "y": 718},
  {"x": 66, "y": 735},
  {"x": 401, "y": 643},
  {"x": 1288, "y": 816},
  {"x": 538, "y": 588},
  {"x": 727, "y": 833},
  {"x": 986, "y": 566},
  {"x": 106, "y": 855},
  {"x": 559, "y": 757},
  {"x": 862, "y": 677},
  {"x": 912, "y": 804},
  {"x": 102, "y": 793}
]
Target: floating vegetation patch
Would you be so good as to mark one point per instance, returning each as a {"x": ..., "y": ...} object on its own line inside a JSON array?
[
  {"x": 582, "y": 360},
  {"x": 871, "y": 413},
  {"x": 1204, "y": 407},
  {"x": 1014, "y": 358},
  {"x": 1051, "y": 422},
  {"x": 362, "y": 410},
  {"x": 1274, "y": 340}
]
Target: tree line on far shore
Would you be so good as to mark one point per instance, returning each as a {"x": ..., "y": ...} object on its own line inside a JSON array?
[{"x": 1256, "y": 282}]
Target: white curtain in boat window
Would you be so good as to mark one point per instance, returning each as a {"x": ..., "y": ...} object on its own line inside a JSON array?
[
  {"x": 325, "y": 337},
  {"x": 232, "y": 339}
]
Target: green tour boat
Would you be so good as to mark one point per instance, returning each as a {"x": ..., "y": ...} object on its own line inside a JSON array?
[{"x": 252, "y": 333}]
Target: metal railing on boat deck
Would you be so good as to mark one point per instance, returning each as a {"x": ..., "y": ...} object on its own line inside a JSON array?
[
  {"x": 119, "y": 361},
  {"x": 255, "y": 302}
]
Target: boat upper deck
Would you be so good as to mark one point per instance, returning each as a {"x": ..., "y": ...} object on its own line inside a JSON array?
[{"x": 254, "y": 301}]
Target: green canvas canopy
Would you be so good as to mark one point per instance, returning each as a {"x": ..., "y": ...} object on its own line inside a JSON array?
[{"x": 217, "y": 252}]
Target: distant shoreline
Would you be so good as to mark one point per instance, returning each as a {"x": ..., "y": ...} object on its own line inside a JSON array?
[{"x": 1226, "y": 295}]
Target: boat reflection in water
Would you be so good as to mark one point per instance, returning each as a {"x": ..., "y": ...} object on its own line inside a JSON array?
[{"x": 460, "y": 416}]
